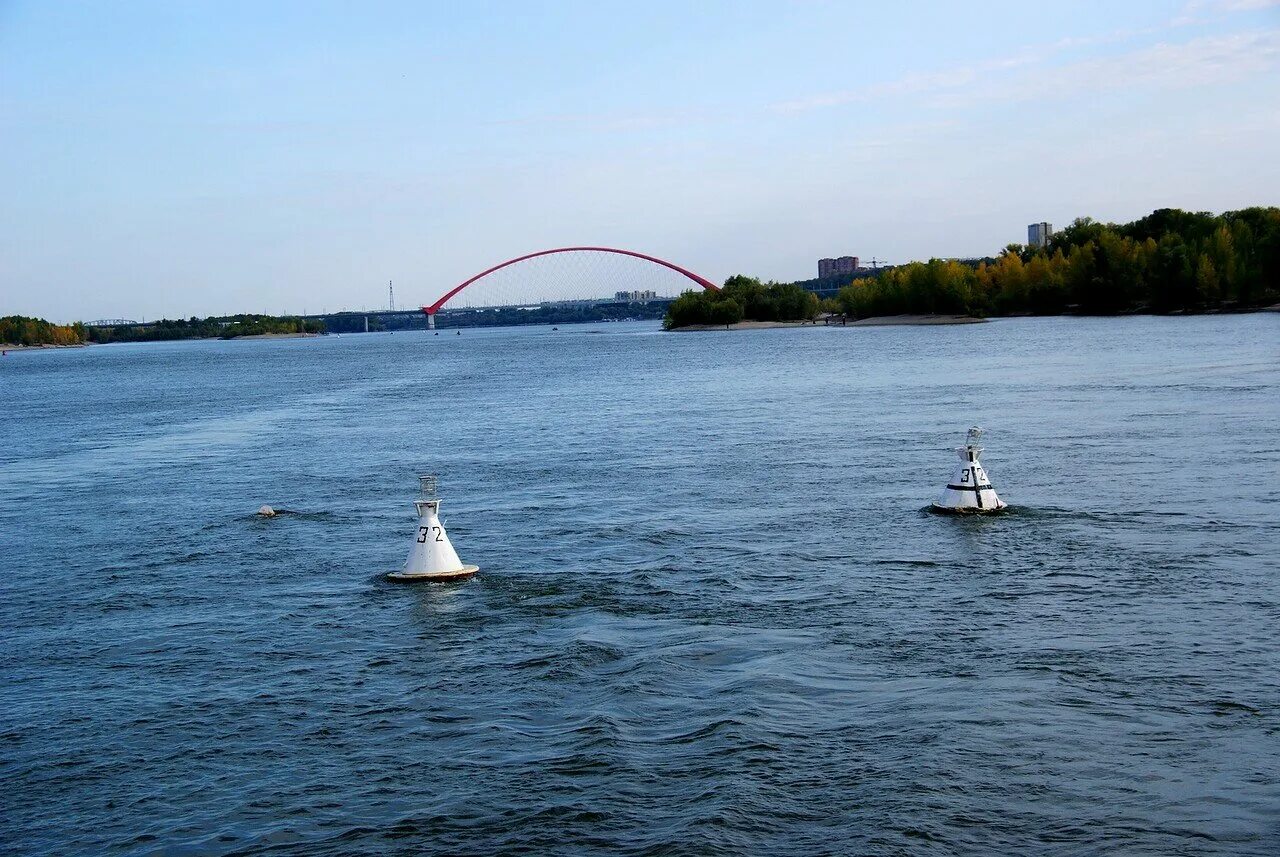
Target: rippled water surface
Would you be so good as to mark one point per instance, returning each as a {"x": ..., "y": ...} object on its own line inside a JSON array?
[{"x": 712, "y": 616}]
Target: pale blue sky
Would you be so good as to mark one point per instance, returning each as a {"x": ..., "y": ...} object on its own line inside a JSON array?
[{"x": 179, "y": 158}]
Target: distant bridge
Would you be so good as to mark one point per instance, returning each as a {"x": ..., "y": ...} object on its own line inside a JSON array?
[
  {"x": 581, "y": 266},
  {"x": 430, "y": 310},
  {"x": 353, "y": 320}
]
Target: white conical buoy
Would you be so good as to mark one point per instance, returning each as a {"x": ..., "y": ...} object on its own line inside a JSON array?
[
  {"x": 969, "y": 491},
  {"x": 432, "y": 557}
]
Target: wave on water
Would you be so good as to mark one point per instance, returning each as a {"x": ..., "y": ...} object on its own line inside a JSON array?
[{"x": 712, "y": 616}]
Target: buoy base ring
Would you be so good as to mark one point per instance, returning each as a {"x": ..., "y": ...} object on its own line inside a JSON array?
[
  {"x": 967, "y": 510},
  {"x": 427, "y": 576}
]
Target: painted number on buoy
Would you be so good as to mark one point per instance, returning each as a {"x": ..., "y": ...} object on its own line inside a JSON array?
[{"x": 422, "y": 534}]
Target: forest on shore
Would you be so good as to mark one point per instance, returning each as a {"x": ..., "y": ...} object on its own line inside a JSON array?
[
  {"x": 22, "y": 330},
  {"x": 1169, "y": 261},
  {"x": 742, "y": 299},
  {"x": 227, "y": 327}
]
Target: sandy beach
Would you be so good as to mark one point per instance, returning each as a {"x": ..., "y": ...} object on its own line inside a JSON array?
[{"x": 4, "y": 347}]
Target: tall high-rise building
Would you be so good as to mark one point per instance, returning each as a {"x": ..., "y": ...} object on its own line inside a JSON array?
[
  {"x": 1038, "y": 234},
  {"x": 841, "y": 265}
]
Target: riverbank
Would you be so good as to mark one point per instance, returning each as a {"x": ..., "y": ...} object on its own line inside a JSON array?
[
  {"x": 242, "y": 326},
  {"x": 4, "y": 347},
  {"x": 834, "y": 321}
]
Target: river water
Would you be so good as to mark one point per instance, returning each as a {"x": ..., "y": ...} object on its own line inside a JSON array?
[{"x": 712, "y": 615}]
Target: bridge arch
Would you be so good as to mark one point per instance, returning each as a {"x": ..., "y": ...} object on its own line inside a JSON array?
[{"x": 432, "y": 309}]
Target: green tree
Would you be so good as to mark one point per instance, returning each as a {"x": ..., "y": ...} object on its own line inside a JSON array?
[
  {"x": 689, "y": 308},
  {"x": 1207, "y": 287},
  {"x": 1173, "y": 277},
  {"x": 726, "y": 312}
]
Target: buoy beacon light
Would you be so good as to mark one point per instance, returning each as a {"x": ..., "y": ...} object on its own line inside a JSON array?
[
  {"x": 969, "y": 492},
  {"x": 431, "y": 557}
]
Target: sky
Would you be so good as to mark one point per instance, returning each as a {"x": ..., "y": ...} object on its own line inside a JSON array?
[{"x": 198, "y": 158}]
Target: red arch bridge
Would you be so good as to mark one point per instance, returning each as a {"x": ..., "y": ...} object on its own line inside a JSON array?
[{"x": 576, "y": 276}]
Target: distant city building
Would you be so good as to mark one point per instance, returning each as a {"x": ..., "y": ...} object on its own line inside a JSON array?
[
  {"x": 635, "y": 297},
  {"x": 832, "y": 267},
  {"x": 1038, "y": 234}
]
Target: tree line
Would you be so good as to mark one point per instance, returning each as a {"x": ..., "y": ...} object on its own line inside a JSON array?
[
  {"x": 742, "y": 298},
  {"x": 1168, "y": 261},
  {"x": 22, "y": 330},
  {"x": 228, "y": 327}
]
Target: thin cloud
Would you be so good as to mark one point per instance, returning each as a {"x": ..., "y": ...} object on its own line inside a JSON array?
[
  {"x": 1204, "y": 11},
  {"x": 1247, "y": 5},
  {"x": 953, "y": 78},
  {"x": 1197, "y": 62},
  {"x": 619, "y": 121}
]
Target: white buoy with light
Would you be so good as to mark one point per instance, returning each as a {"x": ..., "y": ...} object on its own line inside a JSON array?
[
  {"x": 969, "y": 492},
  {"x": 432, "y": 556}
]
